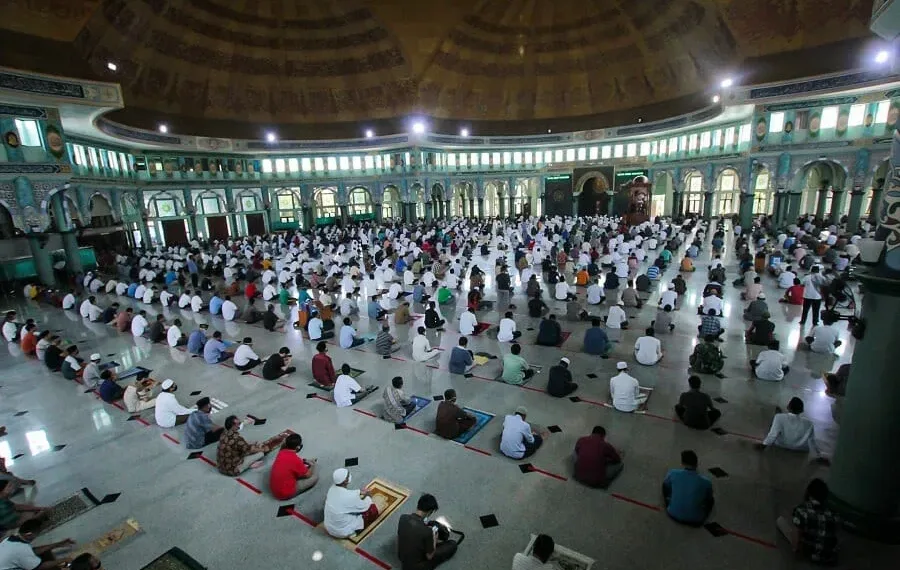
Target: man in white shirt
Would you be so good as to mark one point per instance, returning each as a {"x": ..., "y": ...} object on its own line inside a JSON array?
[
  {"x": 197, "y": 302},
  {"x": 467, "y": 322},
  {"x": 174, "y": 336},
  {"x": 624, "y": 390},
  {"x": 562, "y": 292},
  {"x": 85, "y": 308},
  {"x": 518, "y": 440},
  {"x": 421, "y": 348},
  {"x": 786, "y": 278},
  {"x": 595, "y": 294},
  {"x": 269, "y": 292},
  {"x": 169, "y": 413},
  {"x": 68, "y": 301},
  {"x": 94, "y": 313},
  {"x": 711, "y": 301},
  {"x": 229, "y": 309},
  {"x": 95, "y": 285},
  {"x": 508, "y": 332},
  {"x": 824, "y": 338},
  {"x": 770, "y": 364},
  {"x": 17, "y": 553},
  {"x": 121, "y": 288},
  {"x": 165, "y": 298},
  {"x": 139, "y": 324},
  {"x": 812, "y": 295},
  {"x": 616, "y": 317},
  {"x": 347, "y": 511},
  {"x": 148, "y": 295},
  {"x": 244, "y": 357},
  {"x": 184, "y": 300},
  {"x": 139, "y": 292},
  {"x": 347, "y": 391},
  {"x": 648, "y": 349},
  {"x": 669, "y": 297},
  {"x": 791, "y": 431}
]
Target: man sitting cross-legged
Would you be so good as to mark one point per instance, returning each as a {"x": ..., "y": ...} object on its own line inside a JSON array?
[
  {"x": 200, "y": 431},
  {"x": 292, "y": 475},
  {"x": 695, "y": 408},
  {"x": 278, "y": 364},
  {"x": 597, "y": 462},
  {"x": 518, "y": 440},
  {"x": 347, "y": 511},
  {"x": 451, "y": 420}
]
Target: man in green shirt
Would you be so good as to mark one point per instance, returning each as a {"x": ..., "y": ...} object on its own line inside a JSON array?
[
  {"x": 515, "y": 368},
  {"x": 444, "y": 295},
  {"x": 284, "y": 296}
]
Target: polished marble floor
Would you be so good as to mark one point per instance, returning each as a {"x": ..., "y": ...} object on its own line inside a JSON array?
[{"x": 227, "y": 524}]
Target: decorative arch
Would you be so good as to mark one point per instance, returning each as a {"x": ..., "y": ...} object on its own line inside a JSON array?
[
  {"x": 727, "y": 190},
  {"x": 359, "y": 201},
  {"x": 693, "y": 192},
  {"x": 209, "y": 203},
  {"x": 492, "y": 197},
  {"x": 164, "y": 205},
  {"x": 437, "y": 191},
  {"x": 7, "y": 223},
  {"x": 326, "y": 202},
  {"x": 764, "y": 190},
  {"x": 101, "y": 211},
  {"x": 584, "y": 178},
  {"x": 248, "y": 200},
  {"x": 390, "y": 202},
  {"x": 809, "y": 178},
  {"x": 417, "y": 197}
]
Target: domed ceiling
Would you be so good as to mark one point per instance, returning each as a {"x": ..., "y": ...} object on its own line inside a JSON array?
[{"x": 324, "y": 68}]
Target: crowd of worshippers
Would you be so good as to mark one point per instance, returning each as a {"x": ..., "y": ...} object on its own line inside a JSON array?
[{"x": 320, "y": 272}]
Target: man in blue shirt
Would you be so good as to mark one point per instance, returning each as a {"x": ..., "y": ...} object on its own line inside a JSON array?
[
  {"x": 215, "y": 304},
  {"x": 197, "y": 340},
  {"x": 171, "y": 277},
  {"x": 200, "y": 431},
  {"x": 688, "y": 494},
  {"x": 418, "y": 292},
  {"x": 110, "y": 391},
  {"x": 348, "y": 335},
  {"x": 595, "y": 340},
  {"x": 374, "y": 309},
  {"x": 653, "y": 272},
  {"x": 461, "y": 359},
  {"x": 192, "y": 269},
  {"x": 215, "y": 350},
  {"x": 131, "y": 289}
]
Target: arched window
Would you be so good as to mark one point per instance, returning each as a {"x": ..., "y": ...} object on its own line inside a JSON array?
[
  {"x": 164, "y": 205},
  {"x": 693, "y": 190},
  {"x": 390, "y": 203},
  {"x": 727, "y": 189},
  {"x": 491, "y": 200},
  {"x": 210, "y": 204},
  {"x": 287, "y": 202},
  {"x": 762, "y": 195},
  {"x": 101, "y": 213},
  {"x": 418, "y": 195},
  {"x": 326, "y": 203},
  {"x": 360, "y": 202},
  {"x": 247, "y": 201}
]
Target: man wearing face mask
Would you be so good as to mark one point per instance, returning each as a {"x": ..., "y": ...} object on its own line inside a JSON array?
[
  {"x": 420, "y": 544},
  {"x": 234, "y": 454}
]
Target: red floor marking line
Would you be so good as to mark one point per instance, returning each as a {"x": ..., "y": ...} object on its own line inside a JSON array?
[
  {"x": 548, "y": 474},
  {"x": 286, "y": 386},
  {"x": 372, "y": 559},
  {"x": 365, "y": 413},
  {"x": 398, "y": 358},
  {"x": 207, "y": 460},
  {"x": 758, "y": 541},
  {"x": 143, "y": 422},
  {"x": 255, "y": 374},
  {"x": 172, "y": 439},
  {"x": 303, "y": 518},
  {"x": 659, "y": 417},
  {"x": 745, "y": 436},
  {"x": 476, "y": 450},
  {"x": 531, "y": 389},
  {"x": 318, "y": 397},
  {"x": 248, "y": 485},
  {"x": 635, "y": 502}
]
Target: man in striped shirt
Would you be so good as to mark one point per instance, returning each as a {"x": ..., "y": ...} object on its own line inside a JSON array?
[{"x": 385, "y": 344}]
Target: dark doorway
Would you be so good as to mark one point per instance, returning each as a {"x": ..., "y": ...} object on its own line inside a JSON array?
[
  {"x": 174, "y": 232},
  {"x": 218, "y": 227},
  {"x": 256, "y": 224}
]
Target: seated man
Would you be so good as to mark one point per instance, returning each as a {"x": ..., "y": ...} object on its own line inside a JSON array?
[
  {"x": 710, "y": 326},
  {"x": 109, "y": 391},
  {"x": 756, "y": 308},
  {"x": 452, "y": 421},
  {"x": 647, "y": 349},
  {"x": 792, "y": 431},
  {"x": 245, "y": 358},
  {"x": 347, "y": 511},
  {"x": 278, "y": 364},
  {"x": 595, "y": 340},
  {"x": 385, "y": 344},
  {"x": 462, "y": 361},
  {"x": 347, "y": 391},
  {"x": 687, "y": 265},
  {"x": 707, "y": 358},
  {"x": 374, "y": 310},
  {"x": 433, "y": 319},
  {"x": 518, "y": 441},
  {"x": 836, "y": 383},
  {"x": 215, "y": 350},
  {"x": 322, "y": 367},
  {"x": 540, "y": 555},
  {"x": 695, "y": 408},
  {"x": 664, "y": 321},
  {"x": 574, "y": 312},
  {"x": 711, "y": 302},
  {"x": 813, "y": 528},
  {"x": 169, "y": 413},
  {"x": 468, "y": 322},
  {"x": 515, "y": 368},
  {"x": 29, "y": 339},
  {"x": 253, "y": 314},
  {"x": 200, "y": 430},
  {"x": 507, "y": 331},
  {"x": 235, "y": 454},
  {"x": 91, "y": 375},
  {"x": 137, "y": 396},
  {"x": 624, "y": 390},
  {"x": 197, "y": 340},
  {"x": 422, "y": 545},
  {"x": 597, "y": 462},
  {"x": 72, "y": 366},
  {"x": 270, "y": 319},
  {"x": 630, "y": 297},
  {"x": 794, "y": 294},
  {"x": 348, "y": 338},
  {"x": 688, "y": 494},
  {"x": 824, "y": 338},
  {"x": 157, "y": 330},
  {"x": 174, "y": 336},
  {"x": 421, "y": 347},
  {"x": 761, "y": 331},
  {"x": 560, "y": 382},
  {"x": 537, "y": 308},
  {"x": 396, "y": 405},
  {"x": 292, "y": 475},
  {"x": 17, "y": 552},
  {"x": 549, "y": 332}
]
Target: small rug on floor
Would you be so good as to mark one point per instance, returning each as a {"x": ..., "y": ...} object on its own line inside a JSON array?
[
  {"x": 481, "y": 420},
  {"x": 136, "y": 371},
  {"x": 481, "y": 327},
  {"x": 564, "y": 558},
  {"x": 276, "y": 440},
  {"x": 111, "y": 539},
  {"x": 387, "y": 497},
  {"x": 174, "y": 559},
  {"x": 66, "y": 510},
  {"x": 564, "y": 336},
  {"x": 421, "y": 403},
  {"x": 318, "y": 386},
  {"x": 356, "y": 372},
  {"x": 645, "y": 391}
]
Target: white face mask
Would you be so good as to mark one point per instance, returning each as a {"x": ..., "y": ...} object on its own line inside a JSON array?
[{"x": 241, "y": 426}]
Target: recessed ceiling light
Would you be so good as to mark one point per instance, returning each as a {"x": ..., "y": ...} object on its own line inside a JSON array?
[
  {"x": 464, "y": 132},
  {"x": 370, "y": 133},
  {"x": 270, "y": 137},
  {"x": 111, "y": 66},
  {"x": 163, "y": 128},
  {"x": 549, "y": 130},
  {"x": 882, "y": 56},
  {"x": 727, "y": 82},
  {"x": 715, "y": 99},
  {"x": 418, "y": 127}
]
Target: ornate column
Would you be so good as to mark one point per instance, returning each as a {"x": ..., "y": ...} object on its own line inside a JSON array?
[
  {"x": 480, "y": 211},
  {"x": 471, "y": 210},
  {"x": 510, "y": 198},
  {"x": 856, "y": 201},
  {"x": 42, "y": 262},
  {"x": 795, "y": 197},
  {"x": 429, "y": 212},
  {"x": 191, "y": 212},
  {"x": 875, "y": 208},
  {"x": 708, "y": 197},
  {"x": 447, "y": 209},
  {"x": 820, "y": 204},
  {"x": 342, "y": 212},
  {"x": 837, "y": 206},
  {"x": 67, "y": 232},
  {"x": 745, "y": 209}
]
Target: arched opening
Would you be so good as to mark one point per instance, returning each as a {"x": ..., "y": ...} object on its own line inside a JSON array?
[
  {"x": 437, "y": 199},
  {"x": 593, "y": 196},
  {"x": 693, "y": 193},
  {"x": 169, "y": 226},
  {"x": 390, "y": 203},
  {"x": 326, "y": 205},
  {"x": 211, "y": 207},
  {"x": 360, "y": 202},
  {"x": 417, "y": 193},
  {"x": 492, "y": 193},
  {"x": 101, "y": 212},
  {"x": 289, "y": 208},
  {"x": 7, "y": 227},
  {"x": 763, "y": 197},
  {"x": 726, "y": 198},
  {"x": 462, "y": 192},
  {"x": 819, "y": 178},
  {"x": 662, "y": 194},
  {"x": 251, "y": 219}
]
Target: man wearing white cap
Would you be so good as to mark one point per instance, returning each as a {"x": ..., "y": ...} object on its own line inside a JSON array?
[
  {"x": 668, "y": 297},
  {"x": 91, "y": 375},
  {"x": 624, "y": 390},
  {"x": 518, "y": 440},
  {"x": 559, "y": 383},
  {"x": 169, "y": 413},
  {"x": 347, "y": 511}
]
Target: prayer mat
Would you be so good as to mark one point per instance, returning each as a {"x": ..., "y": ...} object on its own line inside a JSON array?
[
  {"x": 481, "y": 420},
  {"x": 174, "y": 559},
  {"x": 643, "y": 390},
  {"x": 277, "y": 440},
  {"x": 66, "y": 510},
  {"x": 111, "y": 539},
  {"x": 564, "y": 558},
  {"x": 388, "y": 498},
  {"x": 421, "y": 403},
  {"x": 565, "y": 336},
  {"x": 136, "y": 371},
  {"x": 321, "y": 387},
  {"x": 368, "y": 337},
  {"x": 365, "y": 394},
  {"x": 356, "y": 372},
  {"x": 481, "y": 327},
  {"x": 481, "y": 360},
  {"x": 487, "y": 355}
]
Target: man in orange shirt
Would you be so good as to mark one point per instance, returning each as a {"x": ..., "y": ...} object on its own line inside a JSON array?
[
  {"x": 581, "y": 278},
  {"x": 29, "y": 340}
]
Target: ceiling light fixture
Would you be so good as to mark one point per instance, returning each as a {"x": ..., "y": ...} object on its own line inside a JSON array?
[
  {"x": 549, "y": 130},
  {"x": 111, "y": 66},
  {"x": 418, "y": 127},
  {"x": 370, "y": 133},
  {"x": 882, "y": 56},
  {"x": 163, "y": 128},
  {"x": 270, "y": 137},
  {"x": 715, "y": 99},
  {"x": 727, "y": 82},
  {"x": 464, "y": 132}
]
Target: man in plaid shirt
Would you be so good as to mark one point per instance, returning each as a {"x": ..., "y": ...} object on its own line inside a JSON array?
[
  {"x": 710, "y": 326},
  {"x": 813, "y": 527}
]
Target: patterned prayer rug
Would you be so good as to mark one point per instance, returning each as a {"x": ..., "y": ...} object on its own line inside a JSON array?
[
  {"x": 388, "y": 497},
  {"x": 481, "y": 420}
]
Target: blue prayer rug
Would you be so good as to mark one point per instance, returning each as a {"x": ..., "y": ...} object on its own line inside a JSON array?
[{"x": 481, "y": 420}]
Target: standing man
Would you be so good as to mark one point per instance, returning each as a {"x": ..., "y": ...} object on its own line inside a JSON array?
[{"x": 812, "y": 295}]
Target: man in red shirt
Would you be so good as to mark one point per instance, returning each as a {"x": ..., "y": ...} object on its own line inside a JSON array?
[
  {"x": 597, "y": 462},
  {"x": 250, "y": 291},
  {"x": 322, "y": 368},
  {"x": 794, "y": 294},
  {"x": 291, "y": 474}
]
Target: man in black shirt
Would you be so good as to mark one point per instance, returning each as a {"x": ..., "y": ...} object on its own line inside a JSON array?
[
  {"x": 536, "y": 307},
  {"x": 53, "y": 356},
  {"x": 253, "y": 315},
  {"x": 549, "y": 333},
  {"x": 270, "y": 319},
  {"x": 158, "y": 329},
  {"x": 418, "y": 545},
  {"x": 109, "y": 314},
  {"x": 761, "y": 331},
  {"x": 695, "y": 408},
  {"x": 504, "y": 289},
  {"x": 432, "y": 319},
  {"x": 560, "y": 382},
  {"x": 278, "y": 365}
]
